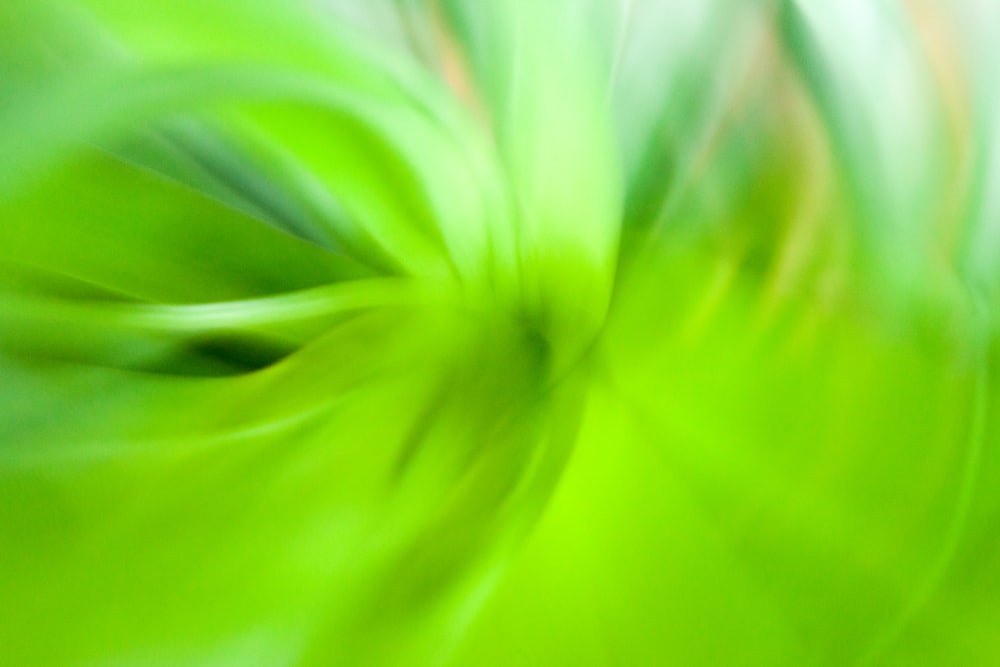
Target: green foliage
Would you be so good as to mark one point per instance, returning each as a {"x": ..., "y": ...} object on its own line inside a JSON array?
[{"x": 480, "y": 333}]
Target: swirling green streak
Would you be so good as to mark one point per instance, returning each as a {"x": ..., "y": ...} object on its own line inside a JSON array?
[
  {"x": 289, "y": 309},
  {"x": 39, "y": 131}
]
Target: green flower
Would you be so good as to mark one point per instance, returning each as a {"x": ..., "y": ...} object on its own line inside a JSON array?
[{"x": 482, "y": 333}]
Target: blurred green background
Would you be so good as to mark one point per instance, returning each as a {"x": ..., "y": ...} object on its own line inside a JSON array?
[{"x": 499, "y": 333}]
